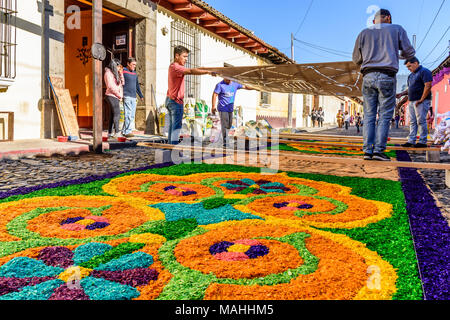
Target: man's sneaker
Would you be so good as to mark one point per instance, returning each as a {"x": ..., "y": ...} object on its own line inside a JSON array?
[
  {"x": 420, "y": 145},
  {"x": 368, "y": 156},
  {"x": 381, "y": 157},
  {"x": 408, "y": 145}
]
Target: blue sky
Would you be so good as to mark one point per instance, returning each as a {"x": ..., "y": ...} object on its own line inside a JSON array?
[{"x": 336, "y": 24}]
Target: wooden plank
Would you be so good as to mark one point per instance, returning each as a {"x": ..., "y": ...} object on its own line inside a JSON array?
[
  {"x": 11, "y": 126},
  {"x": 447, "y": 178},
  {"x": 395, "y": 164},
  {"x": 58, "y": 110},
  {"x": 67, "y": 112}
]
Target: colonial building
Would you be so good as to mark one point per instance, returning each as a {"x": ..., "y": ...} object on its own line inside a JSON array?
[{"x": 56, "y": 42}]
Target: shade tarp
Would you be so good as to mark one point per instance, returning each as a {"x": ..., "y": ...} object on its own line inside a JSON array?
[{"x": 332, "y": 78}]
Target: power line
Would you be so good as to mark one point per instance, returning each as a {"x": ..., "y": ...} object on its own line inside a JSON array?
[
  {"x": 328, "y": 50},
  {"x": 304, "y": 18},
  {"x": 435, "y": 17},
  {"x": 439, "y": 59},
  {"x": 437, "y": 44},
  {"x": 314, "y": 53}
]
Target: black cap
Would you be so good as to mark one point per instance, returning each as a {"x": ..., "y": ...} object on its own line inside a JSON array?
[{"x": 383, "y": 12}]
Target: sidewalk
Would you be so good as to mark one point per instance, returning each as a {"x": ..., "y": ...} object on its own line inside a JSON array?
[{"x": 48, "y": 147}]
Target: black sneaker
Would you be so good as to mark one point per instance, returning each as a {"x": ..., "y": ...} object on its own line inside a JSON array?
[
  {"x": 381, "y": 157},
  {"x": 421, "y": 145},
  {"x": 408, "y": 145},
  {"x": 368, "y": 156}
]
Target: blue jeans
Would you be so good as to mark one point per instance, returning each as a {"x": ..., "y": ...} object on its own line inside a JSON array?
[
  {"x": 379, "y": 98},
  {"x": 418, "y": 120},
  {"x": 129, "y": 105},
  {"x": 176, "y": 111}
]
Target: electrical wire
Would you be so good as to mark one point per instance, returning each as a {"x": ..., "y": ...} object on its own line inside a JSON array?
[
  {"x": 328, "y": 50},
  {"x": 320, "y": 47},
  {"x": 314, "y": 53},
  {"x": 437, "y": 44},
  {"x": 434, "y": 20},
  {"x": 439, "y": 59},
  {"x": 304, "y": 18}
]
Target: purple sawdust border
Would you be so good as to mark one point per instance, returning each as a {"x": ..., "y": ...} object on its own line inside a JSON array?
[
  {"x": 430, "y": 231},
  {"x": 26, "y": 190}
]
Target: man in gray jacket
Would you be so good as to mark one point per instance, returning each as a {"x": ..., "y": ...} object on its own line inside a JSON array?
[{"x": 377, "y": 52}]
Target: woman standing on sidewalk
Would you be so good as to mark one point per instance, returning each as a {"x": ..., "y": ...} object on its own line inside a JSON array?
[
  {"x": 321, "y": 117},
  {"x": 114, "y": 81},
  {"x": 347, "y": 119}
]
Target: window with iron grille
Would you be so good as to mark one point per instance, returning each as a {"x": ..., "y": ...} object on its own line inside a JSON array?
[
  {"x": 186, "y": 36},
  {"x": 8, "y": 13},
  {"x": 266, "y": 98}
]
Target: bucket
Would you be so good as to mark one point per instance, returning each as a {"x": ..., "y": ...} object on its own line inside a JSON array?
[{"x": 63, "y": 139}]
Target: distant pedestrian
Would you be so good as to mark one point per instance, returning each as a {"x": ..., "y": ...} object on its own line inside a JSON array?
[
  {"x": 340, "y": 119},
  {"x": 377, "y": 52},
  {"x": 347, "y": 119},
  {"x": 397, "y": 120},
  {"x": 320, "y": 117},
  {"x": 114, "y": 94},
  {"x": 430, "y": 119},
  {"x": 358, "y": 122},
  {"x": 313, "y": 117}
]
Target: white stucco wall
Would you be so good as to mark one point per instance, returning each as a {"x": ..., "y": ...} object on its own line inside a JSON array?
[
  {"x": 214, "y": 52},
  {"x": 23, "y": 96},
  {"x": 330, "y": 105}
]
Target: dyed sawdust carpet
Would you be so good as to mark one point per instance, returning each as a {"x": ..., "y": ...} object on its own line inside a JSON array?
[
  {"x": 326, "y": 150},
  {"x": 198, "y": 231}
]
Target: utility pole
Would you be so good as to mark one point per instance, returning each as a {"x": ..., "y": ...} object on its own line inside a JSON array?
[
  {"x": 414, "y": 41},
  {"x": 291, "y": 96}
]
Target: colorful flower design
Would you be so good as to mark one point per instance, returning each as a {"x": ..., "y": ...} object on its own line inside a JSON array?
[
  {"x": 158, "y": 188},
  {"x": 325, "y": 209},
  {"x": 179, "y": 191},
  {"x": 288, "y": 264},
  {"x": 292, "y": 205},
  {"x": 82, "y": 223},
  {"x": 222, "y": 235},
  {"x": 93, "y": 271},
  {"x": 258, "y": 187},
  {"x": 72, "y": 217},
  {"x": 238, "y": 250}
]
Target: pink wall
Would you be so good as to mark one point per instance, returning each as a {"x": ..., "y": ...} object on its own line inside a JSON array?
[
  {"x": 277, "y": 122},
  {"x": 444, "y": 97}
]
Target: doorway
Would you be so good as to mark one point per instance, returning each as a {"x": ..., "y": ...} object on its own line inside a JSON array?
[{"x": 119, "y": 40}]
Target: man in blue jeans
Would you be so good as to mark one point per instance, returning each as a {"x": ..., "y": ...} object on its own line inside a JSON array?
[
  {"x": 419, "y": 95},
  {"x": 175, "y": 93},
  {"x": 130, "y": 89},
  {"x": 377, "y": 52}
]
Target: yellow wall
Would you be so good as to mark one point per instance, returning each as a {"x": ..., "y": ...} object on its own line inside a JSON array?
[{"x": 78, "y": 76}]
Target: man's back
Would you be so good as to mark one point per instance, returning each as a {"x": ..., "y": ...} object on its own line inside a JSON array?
[{"x": 378, "y": 47}]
